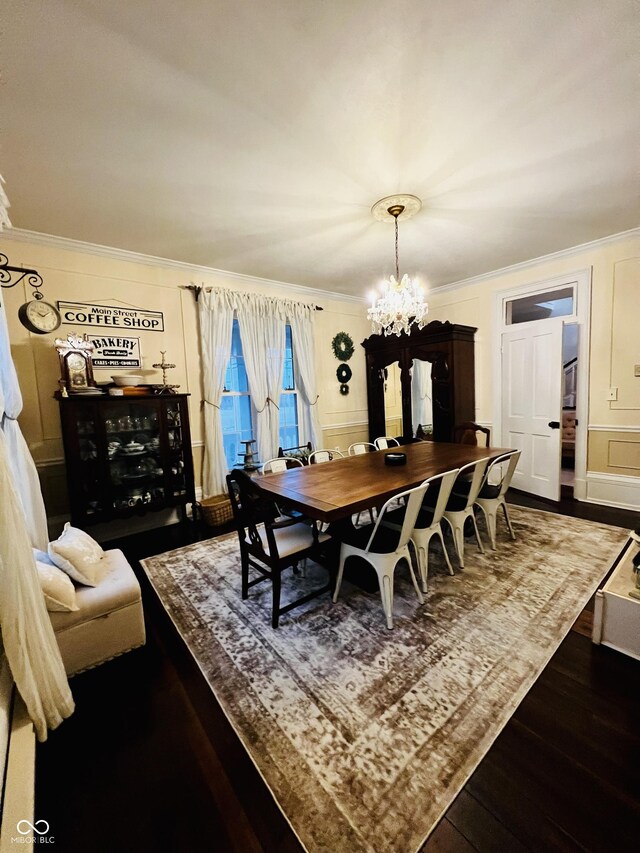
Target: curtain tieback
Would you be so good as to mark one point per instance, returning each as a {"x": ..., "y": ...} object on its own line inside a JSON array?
[
  {"x": 316, "y": 400},
  {"x": 209, "y": 403},
  {"x": 266, "y": 403}
]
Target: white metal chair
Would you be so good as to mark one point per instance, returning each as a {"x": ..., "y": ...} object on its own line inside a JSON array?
[
  {"x": 383, "y": 548},
  {"x": 492, "y": 496},
  {"x": 319, "y": 456},
  {"x": 428, "y": 521},
  {"x": 385, "y": 441},
  {"x": 360, "y": 447},
  {"x": 279, "y": 464},
  {"x": 460, "y": 506}
]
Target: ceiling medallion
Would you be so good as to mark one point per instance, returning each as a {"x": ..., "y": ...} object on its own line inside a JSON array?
[{"x": 401, "y": 304}]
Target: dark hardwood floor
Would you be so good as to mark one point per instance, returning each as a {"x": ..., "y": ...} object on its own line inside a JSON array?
[{"x": 149, "y": 762}]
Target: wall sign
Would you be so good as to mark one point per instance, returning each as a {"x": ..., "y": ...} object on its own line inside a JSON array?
[
  {"x": 116, "y": 351},
  {"x": 107, "y": 316}
]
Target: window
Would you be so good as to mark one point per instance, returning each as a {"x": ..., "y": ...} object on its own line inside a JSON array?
[
  {"x": 288, "y": 398},
  {"x": 540, "y": 306},
  {"x": 235, "y": 406},
  {"x": 236, "y": 409}
]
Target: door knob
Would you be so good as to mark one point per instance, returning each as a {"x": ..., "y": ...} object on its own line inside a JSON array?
[{"x": 554, "y": 424}]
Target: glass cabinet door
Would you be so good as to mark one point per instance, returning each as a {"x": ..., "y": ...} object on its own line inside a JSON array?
[
  {"x": 133, "y": 437},
  {"x": 88, "y": 483},
  {"x": 176, "y": 479}
]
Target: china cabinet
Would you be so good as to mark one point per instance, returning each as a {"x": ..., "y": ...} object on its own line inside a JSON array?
[
  {"x": 448, "y": 350},
  {"x": 126, "y": 455}
]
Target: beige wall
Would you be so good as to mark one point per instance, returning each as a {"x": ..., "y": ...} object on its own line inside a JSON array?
[
  {"x": 76, "y": 272},
  {"x": 615, "y": 340}
]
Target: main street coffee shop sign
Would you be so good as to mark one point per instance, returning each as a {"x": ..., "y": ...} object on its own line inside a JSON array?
[{"x": 109, "y": 317}]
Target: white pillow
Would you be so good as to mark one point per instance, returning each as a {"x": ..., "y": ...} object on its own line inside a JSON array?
[
  {"x": 59, "y": 593},
  {"x": 77, "y": 554}
]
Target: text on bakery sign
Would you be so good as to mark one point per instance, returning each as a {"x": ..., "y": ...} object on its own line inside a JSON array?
[
  {"x": 107, "y": 316},
  {"x": 115, "y": 351}
]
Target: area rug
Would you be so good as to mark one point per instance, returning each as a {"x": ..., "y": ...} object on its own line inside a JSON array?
[{"x": 364, "y": 735}]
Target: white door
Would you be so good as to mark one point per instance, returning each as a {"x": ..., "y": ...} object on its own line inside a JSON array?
[{"x": 532, "y": 404}]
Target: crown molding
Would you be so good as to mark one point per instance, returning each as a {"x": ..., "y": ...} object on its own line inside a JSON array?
[
  {"x": 534, "y": 262},
  {"x": 40, "y": 239}
]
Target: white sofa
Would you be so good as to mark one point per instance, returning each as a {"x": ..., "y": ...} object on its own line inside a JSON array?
[{"x": 109, "y": 621}]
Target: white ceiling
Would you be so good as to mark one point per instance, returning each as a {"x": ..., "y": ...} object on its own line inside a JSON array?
[{"x": 255, "y": 136}]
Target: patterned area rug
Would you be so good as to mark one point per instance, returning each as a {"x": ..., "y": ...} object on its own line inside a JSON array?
[{"x": 364, "y": 735}]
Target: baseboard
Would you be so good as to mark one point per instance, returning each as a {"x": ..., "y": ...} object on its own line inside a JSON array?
[{"x": 613, "y": 490}]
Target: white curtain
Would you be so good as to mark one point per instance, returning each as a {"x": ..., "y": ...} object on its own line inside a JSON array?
[
  {"x": 215, "y": 311},
  {"x": 27, "y": 636},
  {"x": 22, "y": 466},
  {"x": 262, "y": 332},
  {"x": 301, "y": 319}
]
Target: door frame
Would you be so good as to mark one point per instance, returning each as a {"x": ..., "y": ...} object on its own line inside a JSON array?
[{"x": 581, "y": 280}]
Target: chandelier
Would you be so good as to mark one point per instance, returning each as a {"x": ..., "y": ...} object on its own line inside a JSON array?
[{"x": 401, "y": 304}]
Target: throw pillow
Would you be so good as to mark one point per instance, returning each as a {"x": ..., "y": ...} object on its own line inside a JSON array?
[
  {"x": 77, "y": 554},
  {"x": 59, "y": 593}
]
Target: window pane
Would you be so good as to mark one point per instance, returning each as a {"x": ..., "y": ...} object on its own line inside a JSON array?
[
  {"x": 288, "y": 379},
  {"x": 289, "y": 420},
  {"x": 540, "y": 306},
  {"x": 235, "y": 412}
]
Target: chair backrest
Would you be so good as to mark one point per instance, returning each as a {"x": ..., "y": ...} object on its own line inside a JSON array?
[
  {"x": 507, "y": 471},
  {"x": 319, "y": 456},
  {"x": 300, "y": 452},
  {"x": 412, "y": 499},
  {"x": 361, "y": 447},
  {"x": 478, "y": 469},
  {"x": 250, "y": 510},
  {"x": 386, "y": 441},
  {"x": 467, "y": 433},
  {"x": 444, "y": 484},
  {"x": 280, "y": 463}
]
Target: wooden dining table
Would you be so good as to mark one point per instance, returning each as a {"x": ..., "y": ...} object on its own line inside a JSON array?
[{"x": 336, "y": 490}]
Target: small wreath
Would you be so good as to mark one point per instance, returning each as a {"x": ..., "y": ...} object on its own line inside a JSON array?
[
  {"x": 342, "y": 346},
  {"x": 343, "y": 373},
  {"x": 344, "y": 389}
]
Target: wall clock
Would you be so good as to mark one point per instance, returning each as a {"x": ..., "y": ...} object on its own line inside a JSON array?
[{"x": 39, "y": 316}]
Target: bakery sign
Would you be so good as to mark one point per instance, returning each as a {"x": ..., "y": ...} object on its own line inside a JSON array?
[
  {"x": 109, "y": 317},
  {"x": 115, "y": 351}
]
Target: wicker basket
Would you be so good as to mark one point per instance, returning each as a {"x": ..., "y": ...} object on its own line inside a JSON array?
[{"x": 216, "y": 510}]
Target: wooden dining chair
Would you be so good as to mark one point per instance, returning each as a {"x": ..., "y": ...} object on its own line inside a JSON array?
[
  {"x": 467, "y": 433},
  {"x": 383, "y": 548},
  {"x": 360, "y": 447},
  {"x": 300, "y": 452},
  {"x": 386, "y": 441},
  {"x": 429, "y": 520},
  {"x": 270, "y": 544}
]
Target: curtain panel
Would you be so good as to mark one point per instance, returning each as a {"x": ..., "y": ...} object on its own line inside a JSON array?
[
  {"x": 215, "y": 313},
  {"x": 262, "y": 332},
  {"x": 262, "y": 321},
  {"x": 19, "y": 459},
  {"x": 302, "y": 320},
  {"x": 27, "y": 635}
]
